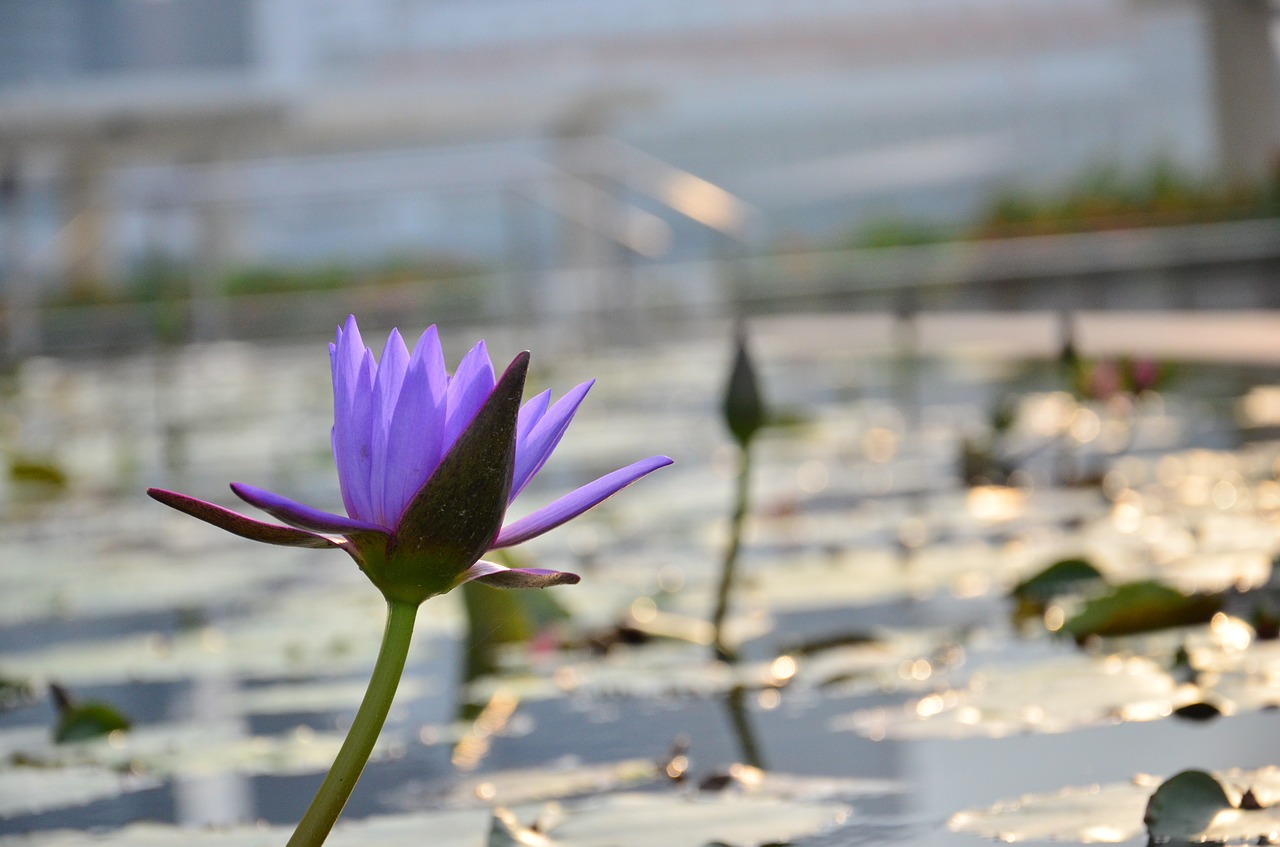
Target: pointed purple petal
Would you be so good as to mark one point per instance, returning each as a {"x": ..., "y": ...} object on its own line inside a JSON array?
[
  {"x": 530, "y": 413},
  {"x": 533, "y": 451},
  {"x": 471, "y": 385},
  {"x": 386, "y": 395},
  {"x": 299, "y": 514},
  {"x": 239, "y": 524},
  {"x": 576, "y": 502},
  {"x": 497, "y": 576},
  {"x": 356, "y": 459},
  {"x": 352, "y": 365},
  {"x": 416, "y": 428}
]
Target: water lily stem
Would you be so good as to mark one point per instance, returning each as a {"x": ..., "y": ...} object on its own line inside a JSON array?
[
  {"x": 337, "y": 786},
  {"x": 727, "y": 569}
]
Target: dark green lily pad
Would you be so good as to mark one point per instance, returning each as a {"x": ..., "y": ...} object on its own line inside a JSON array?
[
  {"x": 1191, "y": 807},
  {"x": 1184, "y": 806},
  {"x": 1066, "y": 576},
  {"x": 1141, "y": 607},
  {"x": 82, "y": 721}
]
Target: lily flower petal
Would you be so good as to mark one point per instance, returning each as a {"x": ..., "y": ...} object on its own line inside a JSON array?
[
  {"x": 530, "y": 413},
  {"x": 576, "y": 502},
  {"x": 499, "y": 576},
  {"x": 241, "y": 525},
  {"x": 300, "y": 514},
  {"x": 471, "y": 385},
  {"x": 386, "y": 394},
  {"x": 416, "y": 430},
  {"x": 535, "y": 448}
]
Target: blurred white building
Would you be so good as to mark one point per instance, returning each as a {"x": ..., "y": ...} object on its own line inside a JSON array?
[{"x": 247, "y": 131}]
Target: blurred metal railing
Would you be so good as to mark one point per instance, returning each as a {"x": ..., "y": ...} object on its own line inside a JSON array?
[{"x": 1207, "y": 266}]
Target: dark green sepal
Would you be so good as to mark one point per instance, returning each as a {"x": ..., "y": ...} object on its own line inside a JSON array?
[
  {"x": 744, "y": 411},
  {"x": 455, "y": 516}
]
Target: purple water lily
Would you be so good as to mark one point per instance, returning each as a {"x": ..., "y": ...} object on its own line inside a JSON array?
[{"x": 427, "y": 464}]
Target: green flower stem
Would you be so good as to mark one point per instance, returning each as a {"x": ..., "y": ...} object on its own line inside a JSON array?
[
  {"x": 722, "y": 650},
  {"x": 337, "y": 786}
]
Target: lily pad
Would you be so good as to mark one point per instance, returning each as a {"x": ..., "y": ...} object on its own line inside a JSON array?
[
  {"x": 1185, "y": 806},
  {"x": 1140, "y": 607},
  {"x": 1065, "y": 576},
  {"x": 617, "y": 820},
  {"x": 189, "y": 749},
  {"x": 1056, "y": 695},
  {"x": 1192, "y": 806},
  {"x": 28, "y": 790}
]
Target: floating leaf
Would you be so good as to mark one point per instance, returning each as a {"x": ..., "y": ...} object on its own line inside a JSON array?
[
  {"x": 1140, "y": 607},
  {"x": 1185, "y": 805},
  {"x": 1056, "y": 695},
  {"x": 189, "y": 749},
  {"x": 14, "y": 693},
  {"x": 81, "y": 721},
  {"x": 1192, "y": 806},
  {"x": 32, "y": 790},
  {"x": 43, "y": 472},
  {"x": 617, "y": 820},
  {"x": 1065, "y": 576}
]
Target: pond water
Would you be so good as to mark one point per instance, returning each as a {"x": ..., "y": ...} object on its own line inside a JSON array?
[{"x": 885, "y": 692}]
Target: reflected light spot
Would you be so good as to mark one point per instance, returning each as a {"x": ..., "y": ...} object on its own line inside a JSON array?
[
  {"x": 1085, "y": 425},
  {"x": 969, "y": 585},
  {"x": 1268, "y": 494},
  {"x": 1140, "y": 712},
  {"x": 769, "y": 699},
  {"x": 1104, "y": 834},
  {"x": 567, "y": 679},
  {"x": 304, "y": 734},
  {"x": 1114, "y": 483},
  {"x": 212, "y": 639},
  {"x": 992, "y": 503},
  {"x": 746, "y": 774},
  {"x": 1033, "y": 715},
  {"x": 1224, "y": 494},
  {"x": 677, "y": 766},
  {"x": 1231, "y": 633},
  {"x": 643, "y": 610},
  {"x": 486, "y": 791},
  {"x": 1054, "y": 618},
  {"x": 880, "y": 444},
  {"x": 116, "y": 739},
  {"x": 670, "y": 578},
  {"x": 1170, "y": 471},
  {"x": 913, "y": 532},
  {"x": 927, "y": 707},
  {"x": 921, "y": 669},
  {"x": 812, "y": 477},
  {"x": 1127, "y": 513},
  {"x": 428, "y": 735},
  {"x": 783, "y": 668},
  {"x": 969, "y": 715}
]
